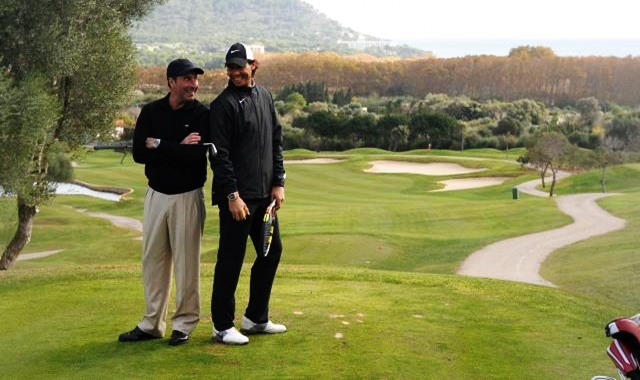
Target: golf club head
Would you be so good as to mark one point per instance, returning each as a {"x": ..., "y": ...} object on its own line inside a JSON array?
[{"x": 212, "y": 149}]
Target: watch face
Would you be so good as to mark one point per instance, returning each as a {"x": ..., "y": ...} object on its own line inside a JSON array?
[{"x": 231, "y": 196}]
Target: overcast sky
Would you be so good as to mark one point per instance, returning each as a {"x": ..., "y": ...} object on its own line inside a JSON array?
[{"x": 482, "y": 19}]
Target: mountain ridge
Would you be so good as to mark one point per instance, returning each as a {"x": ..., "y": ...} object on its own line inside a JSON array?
[{"x": 203, "y": 29}]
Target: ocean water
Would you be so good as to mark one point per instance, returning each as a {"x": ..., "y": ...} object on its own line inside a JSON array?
[{"x": 448, "y": 48}]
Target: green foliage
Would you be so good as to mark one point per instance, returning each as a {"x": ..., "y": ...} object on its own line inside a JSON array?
[
  {"x": 325, "y": 124},
  {"x": 462, "y": 108},
  {"x": 526, "y": 111},
  {"x": 589, "y": 109},
  {"x": 60, "y": 168},
  {"x": 72, "y": 68},
  {"x": 341, "y": 97},
  {"x": 435, "y": 128},
  {"x": 527, "y": 51},
  {"x": 625, "y": 132},
  {"x": 295, "y": 138},
  {"x": 293, "y": 104},
  {"x": 28, "y": 113},
  {"x": 508, "y": 126},
  {"x": 310, "y": 91},
  {"x": 550, "y": 149},
  {"x": 380, "y": 122},
  {"x": 296, "y": 99},
  {"x": 85, "y": 53}
]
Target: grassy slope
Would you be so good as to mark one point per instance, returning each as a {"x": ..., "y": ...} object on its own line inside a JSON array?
[
  {"x": 605, "y": 266},
  {"x": 341, "y": 227}
]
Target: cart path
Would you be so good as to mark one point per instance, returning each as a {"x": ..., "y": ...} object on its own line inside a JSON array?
[
  {"x": 519, "y": 259},
  {"x": 37, "y": 255},
  {"x": 118, "y": 221}
]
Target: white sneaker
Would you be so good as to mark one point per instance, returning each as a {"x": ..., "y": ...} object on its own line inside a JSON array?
[
  {"x": 230, "y": 336},
  {"x": 248, "y": 327}
]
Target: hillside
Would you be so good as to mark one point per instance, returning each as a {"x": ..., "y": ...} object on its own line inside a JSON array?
[{"x": 203, "y": 29}]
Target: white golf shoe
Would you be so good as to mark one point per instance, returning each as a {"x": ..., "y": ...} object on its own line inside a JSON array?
[
  {"x": 248, "y": 327},
  {"x": 230, "y": 336}
]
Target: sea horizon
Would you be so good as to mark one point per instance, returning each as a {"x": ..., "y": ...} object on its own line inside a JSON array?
[{"x": 453, "y": 48}]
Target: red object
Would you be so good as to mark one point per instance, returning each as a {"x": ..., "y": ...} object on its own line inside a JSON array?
[{"x": 624, "y": 351}]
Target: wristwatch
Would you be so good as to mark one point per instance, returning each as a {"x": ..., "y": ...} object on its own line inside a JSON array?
[
  {"x": 156, "y": 142},
  {"x": 232, "y": 197}
]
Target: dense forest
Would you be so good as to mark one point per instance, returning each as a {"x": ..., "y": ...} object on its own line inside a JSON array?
[
  {"x": 331, "y": 102},
  {"x": 528, "y": 72}
]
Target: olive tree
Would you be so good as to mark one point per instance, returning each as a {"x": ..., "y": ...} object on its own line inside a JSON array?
[
  {"x": 68, "y": 68},
  {"x": 549, "y": 152}
]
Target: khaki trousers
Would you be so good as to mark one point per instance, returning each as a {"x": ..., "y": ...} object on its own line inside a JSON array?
[{"x": 172, "y": 228}]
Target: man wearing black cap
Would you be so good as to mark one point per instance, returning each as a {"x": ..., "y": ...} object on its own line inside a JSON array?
[
  {"x": 168, "y": 140},
  {"x": 248, "y": 175}
]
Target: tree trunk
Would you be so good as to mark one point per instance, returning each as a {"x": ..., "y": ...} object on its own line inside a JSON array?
[
  {"x": 602, "y": 179},
  {"x": 26, "y": 215},
  {"x": 553, "y": 181},
  {"x": 543, "y": 174}
]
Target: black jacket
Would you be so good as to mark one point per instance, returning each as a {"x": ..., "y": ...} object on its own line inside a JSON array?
[
  {"x": 248, "y": 136},
  {"x": 172, "y": 168}
]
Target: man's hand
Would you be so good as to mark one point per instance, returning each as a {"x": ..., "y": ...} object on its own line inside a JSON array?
[
  {"x": 193, "y": 138},
  {"x": 150, "y": 142},
  {"x": 238, "y": 208},
  {"x": 277, "y": 193}
]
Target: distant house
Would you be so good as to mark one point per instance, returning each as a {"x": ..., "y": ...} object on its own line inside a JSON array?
[
  {"x": 257, "y": 49},
  {"x": 361, "y": 43}
]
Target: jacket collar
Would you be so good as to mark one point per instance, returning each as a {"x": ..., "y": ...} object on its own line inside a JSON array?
[
  {"x": 246, "y": 90},
  {"x": 188, "y": 105}
]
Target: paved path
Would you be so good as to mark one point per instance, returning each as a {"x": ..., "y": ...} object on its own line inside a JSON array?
[
  {"x": 37, "y": 255},
  {"x": 118, "y": 221},
  {"x": 519, "y": 259}
]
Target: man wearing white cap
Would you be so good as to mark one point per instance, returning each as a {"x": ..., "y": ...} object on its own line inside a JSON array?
[{"x": 248, "y": 175}]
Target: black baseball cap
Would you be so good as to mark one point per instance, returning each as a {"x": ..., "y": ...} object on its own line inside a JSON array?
[
  {"x": 182, "y": 66},
  {"x": 239, "y": 54}
]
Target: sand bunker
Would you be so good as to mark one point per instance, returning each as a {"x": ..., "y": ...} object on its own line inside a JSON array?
[
  {"x": 470, "y": 183},
  {"x": 437, "y": 169},
  {"x": 432, "y": 168}
]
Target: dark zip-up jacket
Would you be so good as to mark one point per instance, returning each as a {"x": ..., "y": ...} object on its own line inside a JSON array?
[
  {"x": 248, "y": 136},
  {"x": 172, "y": 168}
]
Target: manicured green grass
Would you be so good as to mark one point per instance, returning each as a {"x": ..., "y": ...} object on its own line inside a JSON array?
[
  {"x": 370, "y": 256},
  {"x": 64, "y": 324}
]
